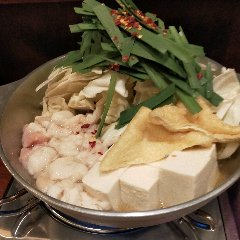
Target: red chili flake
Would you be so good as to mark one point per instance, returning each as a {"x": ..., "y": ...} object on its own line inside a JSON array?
[
  {"x": 114, "y": 67},
  {"x": 134, "y": 34},
  {"x": 124, "y": 22},
  {"x": 117, "y": 22},
  {"x": 100, "y": 153},
  {"x": 129, "y": 26},
  {"x": 136, "y": 24},
  {"x": 92, "y": 144},
  {"x": 131, "y": 19},
  {"x": 125, "y": 58},
  {"x": 94, "y": 132},
  {"x": 114, "y": 12},
  {"x": 148, "y": 20},
  {"x": 87, "y": 125},
  {"x": 154, "y": 26},
  {"x": 139, "y": 13},
  {"x": 199, "y": 75}
]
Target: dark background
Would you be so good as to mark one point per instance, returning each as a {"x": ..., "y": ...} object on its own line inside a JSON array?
[{"x": 33, "y": 32}]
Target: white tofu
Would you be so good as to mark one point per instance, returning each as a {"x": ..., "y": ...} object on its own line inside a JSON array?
[
  {"x": 139, "y": 188},
  {"x": 104, "y": 186},
  {"x": 186, "y": 175},
  {"x": 181, "y": 177},
  {"x": 213, "y": 179}
]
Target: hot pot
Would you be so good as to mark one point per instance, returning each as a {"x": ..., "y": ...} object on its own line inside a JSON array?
[{"x": 21, "y": 108}]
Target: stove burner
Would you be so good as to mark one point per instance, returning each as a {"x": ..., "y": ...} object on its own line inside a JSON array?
[
  {"x": 84, "y": 226},
  {"x": 31, "y": 203}
]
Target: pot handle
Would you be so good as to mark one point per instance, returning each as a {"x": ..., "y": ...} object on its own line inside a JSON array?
[
  {"x": 202, "y": 221},
  {"x": 31, "y": 203},
  {"x": 198, "y": 220}
]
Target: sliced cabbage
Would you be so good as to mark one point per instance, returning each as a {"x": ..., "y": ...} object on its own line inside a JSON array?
[
  {"x": 63, "y": 82},
  {"x": 111, "y": 134},
  {"x": 101, "y": 85},
  {"x": 118, "y": 104},
  {"x": 93, "y": 96},
  {"x": 80, "y": 103},
  {"x": 54, "y": 104},
  {"x": 227, "y": 85},
  {"x": 144, "y": 90}
]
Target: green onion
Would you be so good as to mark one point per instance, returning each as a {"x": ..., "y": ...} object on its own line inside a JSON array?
[
  {"x": 189, "y": 66},
  {"x": 70, "y": 58},
  {"x": 192, "y": 75},
  {"x": 96, "y": 46},
  {"x": 157, "y": 78},
  {"x": 153, "y": 102},
  {"x": 127, "y": 46},
  {"x": 131, "y": 8},
  {"x": 108, "y": 47},
  {"x": 81, "y": 11},
  {"x": 182, "y": 35},
  {"x": 180, "y": 84},
  {"x": 133, "y": 60},
  {"x": 88, "y": 5},
  {"x": 138, "y": 76},
  {"x": 91, "y": 60},
  {"x": 104, "y": 16},
  {"x": 194, "y": 50},
  {"x": 190, "y": 103},
  {"x": 215, "y": 99},
  {"x": 143, "y": 52},
  {"x": 81, "y": 27},
  {"x": 206, "y": 89},
  {"x": 107, "y": 104},
  {"x": 209, "y": 83},
  {"x": 175, "y": 34}
]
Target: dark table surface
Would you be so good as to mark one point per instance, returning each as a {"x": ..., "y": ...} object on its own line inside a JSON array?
[{"x": 35, "y": 31}]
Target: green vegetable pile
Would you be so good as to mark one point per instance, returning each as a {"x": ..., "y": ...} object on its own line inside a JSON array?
[{"x": 138, "y": 44}]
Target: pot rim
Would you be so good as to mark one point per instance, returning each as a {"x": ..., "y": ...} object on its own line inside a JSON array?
[{"x": 200, "y": 201}]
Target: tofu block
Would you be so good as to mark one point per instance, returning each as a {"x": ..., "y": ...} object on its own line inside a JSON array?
[
  {"x": 139, "y": 188},
  {"x": 213, "y": 179},
  {"x": 103, "y": 186},
  {"x": 185, "y": 175}
]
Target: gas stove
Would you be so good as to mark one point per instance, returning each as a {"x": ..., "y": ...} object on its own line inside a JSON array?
[{"x": 22, "y": 216}]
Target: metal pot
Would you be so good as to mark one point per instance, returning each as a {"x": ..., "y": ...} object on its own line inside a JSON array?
[{"x": 21, "y": 108}]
